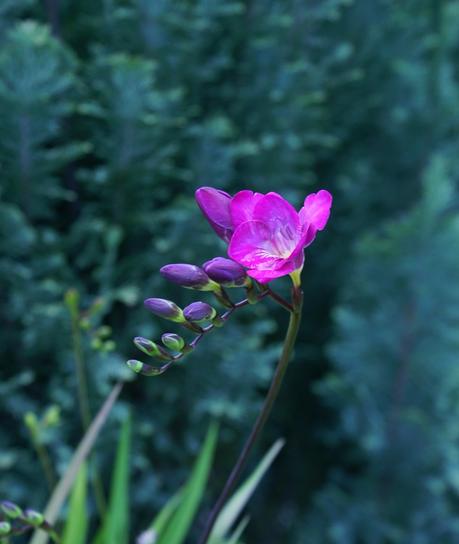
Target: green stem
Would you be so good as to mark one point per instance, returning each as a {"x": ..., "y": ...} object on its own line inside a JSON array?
[
  {"x": 85, "y": 410},
  {"x": 289, "y": 342},
  {"x": 46, "y": 463}
]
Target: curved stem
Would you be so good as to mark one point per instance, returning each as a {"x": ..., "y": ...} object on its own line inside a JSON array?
[{"x": 289, "y": 342}]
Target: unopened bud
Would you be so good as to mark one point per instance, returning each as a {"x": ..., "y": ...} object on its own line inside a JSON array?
[
  {"x": 10, "y": 509},
  {"x": 33, "y": 517},
  {"x": 226, "y": 272},
  {"x": 150, "y": 348},
  {"x": 5, "y": 528},
  {"x": 165, "y": 308},
  {"x": 173, "y": 341},
  {"x": 188, "y": 275},
  {"x": 199, "y": 311},
  {"x": 135, "y": 365}
]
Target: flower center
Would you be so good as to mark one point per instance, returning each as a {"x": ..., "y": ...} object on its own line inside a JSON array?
[{"x": 283, "y": 241}]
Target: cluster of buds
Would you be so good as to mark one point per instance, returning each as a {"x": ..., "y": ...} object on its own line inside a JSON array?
[
  {"x": 199, "y": 317},
  {"x": 17, "y": 521}
]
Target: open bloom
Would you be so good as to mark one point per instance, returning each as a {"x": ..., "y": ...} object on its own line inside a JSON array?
[{"x": 265, "y": 232}]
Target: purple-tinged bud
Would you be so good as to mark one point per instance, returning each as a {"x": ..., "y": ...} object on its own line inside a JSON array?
[
  {"x": 135, "y": 365},
  {"x": 33, "y": 517},
  {"x": 147, "y": 370},
  {"x": 173, "y": 341},
  {"x": 199, "y": 311},
  {"x": 226, "y": 272},
  {"x": 215, "y": 205},
  {"x": 150, "y": 348},
  {"x": 188, "y": 275},
  {"x": 5, "y": 528},
  {"x": 165, "y": 308},
  {"x": 10, "y": 509}
]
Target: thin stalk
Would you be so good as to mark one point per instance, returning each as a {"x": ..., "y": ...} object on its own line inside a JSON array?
[
  {"x": 85, "y": 410},
  {"x": 289, "y": 342},
  {"x": 46, "y": 463}
]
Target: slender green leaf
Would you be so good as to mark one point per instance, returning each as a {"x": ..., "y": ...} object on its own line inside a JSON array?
[
  {"x": 64, "y": 485},
  {"x": 234, "y": 538},
  {"x": 115, "y": 527},
  {"x": 76, "y": 526},
  {"x": 236, "y": 504},
  {"x": 179, "y": 524},
  {"x": 164, "y": 516}
]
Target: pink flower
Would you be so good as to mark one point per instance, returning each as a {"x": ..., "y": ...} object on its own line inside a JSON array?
[{"x": 265, "y": 233}]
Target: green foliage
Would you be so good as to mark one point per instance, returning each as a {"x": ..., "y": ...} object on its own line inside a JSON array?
[
  {"x": 236, "y": 504},
  {"x": 76, "y": 525},
  {"x": 396, "y": 381},
  {"x": 111, "y": 114},
  {"x": 178, "y": 526},
  {"x": 115, "y": 527}
]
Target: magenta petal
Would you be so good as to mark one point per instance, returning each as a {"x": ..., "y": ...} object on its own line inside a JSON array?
[
  {"x": 242, "y": 206},
  {"x": 269, "y": 274},
  {"x": 215, "y": 205},
  {"x": 251, "y": 245},
  {"x": 316, "y": 209},
  {"x": 276, "y": 212}
]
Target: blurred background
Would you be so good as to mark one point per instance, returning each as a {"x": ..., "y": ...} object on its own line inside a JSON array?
[{"x": 112, "y": 113}]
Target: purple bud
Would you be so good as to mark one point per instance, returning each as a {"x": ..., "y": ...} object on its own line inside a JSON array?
[
  {"x": 10, "y": 509},
  {"x": 199, "y": 311},
  {"x": 5, "y": 528},
  {"x": 33, "y": 517},
  {"x": 173, "y": 341},
  {"x": 215, "y": 205},
  {"x": 135, "y": 365},
  {"x": 150, "y": 348},
  {"x": 165, "y": 308},
  {"x": 188, "y": 275},
  {"x": 226, "y": 272}
]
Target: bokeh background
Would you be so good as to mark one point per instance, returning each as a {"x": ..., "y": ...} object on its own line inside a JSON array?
[{"x": 112, "y": 113}]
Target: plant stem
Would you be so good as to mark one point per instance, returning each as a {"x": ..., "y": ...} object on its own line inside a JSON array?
[
  {"x": 85, "y": 410},
  {"x": 46, "y": 463},
  {"x": 289, "y": 342}
]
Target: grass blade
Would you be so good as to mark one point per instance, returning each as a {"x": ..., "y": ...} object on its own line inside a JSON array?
[
  {"x": 179, "y": 524},
  {"x": 236, "y": 504},
  {"x": 116, "y": 523},
  {"x": 76, "y": 526},
  {"x": 64, "y": 485}
]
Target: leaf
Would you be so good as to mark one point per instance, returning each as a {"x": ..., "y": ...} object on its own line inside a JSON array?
[
  {"x": 64, "y": 485},
  {"x": 116, "y": 523},
  {"x": 234, "y": 538},
  {"x": 76, "y": 526},
  {"x": 164, "y": 516},
  {"x": 237, "y": 502},
  {"x": 179, "y": 524}
]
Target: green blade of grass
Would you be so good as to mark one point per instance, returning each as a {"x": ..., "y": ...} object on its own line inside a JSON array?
[
  {"x": 115, "y": 527},
  {"x": 64, "y": 485},
  {"x": 76, "y": 526},
  {"x": 163, "y": 518},
  {"x": 237, "y": 502},
  {"x": 234, "y": 538},
  {"x": 179, "y": 524}
]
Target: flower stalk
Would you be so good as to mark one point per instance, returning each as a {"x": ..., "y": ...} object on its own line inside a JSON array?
[{"x": 289, "y": 343}]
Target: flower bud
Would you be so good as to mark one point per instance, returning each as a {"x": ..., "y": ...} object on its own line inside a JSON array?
[
  {"x": 33, "y": 517},
  {"x": 226, "y": 272},
  {"x": 173, "y": 341},
  {"x": 165, "y": 308},
  {"x": 135, "y": 365},
  {"x": 5, "y": 528},
  {"x": 150, "y": 348},
  {"x": 215, "y": 205},
  {"x": 188, "y": 275},
  {"x": 10, "y": 509},
  {"x": 199, "y": 311}
]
